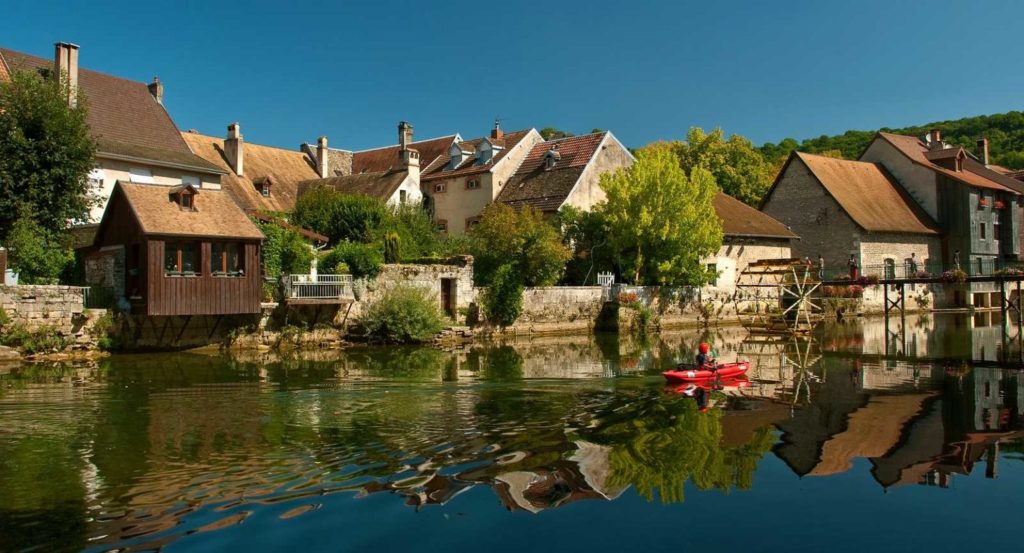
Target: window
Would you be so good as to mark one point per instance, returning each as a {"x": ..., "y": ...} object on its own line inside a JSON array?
[
  {"x": 96, "y": 178},
  {"x": 472, "y": 222},
  {"x": 402, "y": 195},
  {"x": 189, "y": 180},
  {"x": 890, "y": 269},
  {"x": 995, "y": 231},
  {"x": 181, "y": 259},
  {"x": 440, "y": 187},
  {"x": 186, "y": 201},
  {"x": 265, "y": 190},
  {"x": 472, "y": 184},
  {"x": 981, "y": 266},
  {"x": 141, "y": 175},
  {"x": 981, "y": 231},
  {"x": 227, "y": 259},
  {"x": 442, "y": 225}
]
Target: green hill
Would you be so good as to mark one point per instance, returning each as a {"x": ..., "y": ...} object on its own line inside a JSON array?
[{"x": 1005, "y": 132}]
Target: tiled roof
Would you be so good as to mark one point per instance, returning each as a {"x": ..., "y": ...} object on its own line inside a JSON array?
[
  {"x": 5, "y": 72},
  {"x": 381, "y": 184},
  {"x": 215, "y": 214},
  {"x": 123, "y": 116},
  {"x": 306, "y": 233},
  {"x": 917, "y": 152},
  {"x": 739, "y": 219},
  {"x": 284, "y": 168},
  {"x": 547, "y": 189},
  {"x": 868, "y": 195},
  {"x": 386, "y": 158},
  {"x": 470, "y": 166}
]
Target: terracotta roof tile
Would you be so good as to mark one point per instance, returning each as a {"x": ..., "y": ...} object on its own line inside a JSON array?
[
  {"x": 215, "y": 214},
  {"x": 382, "y": 184},
  {"x": 123, "y": 116},
  {"x": 917, "y": 152},
  {"x": 739, "y": 219},
  {"x": 386, "y": 158},
  {"x": 573, "y": 151},
  {"x": 284, "y": 168},
  {"x": 868, "y": 195},
  {"x": 441, "y": 170},
  {"x": 547, "y": 189}
]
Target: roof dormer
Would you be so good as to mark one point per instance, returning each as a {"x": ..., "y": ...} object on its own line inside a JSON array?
[
  {"x": 263, "y": 185},
  {"x": 551, "y": 158},
  {"x": 184, "y": 196},
  {"x": 487, "y": 150},
  {"x": 458, "y": 154}
]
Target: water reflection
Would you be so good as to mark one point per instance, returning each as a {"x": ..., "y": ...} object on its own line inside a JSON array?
[{"x": 145, "y": 451}]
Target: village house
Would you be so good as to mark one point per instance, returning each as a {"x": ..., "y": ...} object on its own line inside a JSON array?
[
  {"x": 565, "y": 172},
  {"x": 136, "y": 138},
  {"x": 749, "y": 235},
  {"x": 471, "y": 174},
  {"x": 907, "y": 205},
  {"x": 176, "y": 251}
]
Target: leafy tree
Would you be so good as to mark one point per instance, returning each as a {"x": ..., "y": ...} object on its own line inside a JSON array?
[
  {"x": 502, "y": 300},
  {"x": 46, "y": 154},
  {"x": 37, "y": 253},
  {"x": 661, "y": 222},
  {"x": 362, "y": 260},
  {"x": 404, "y": 314},
  {"x": 551, "y": 133},
  {"x": 413, "y": 226},
  {"x": 585, "y": 233},
  {"x": 520, "y": 238},
  {"x": 740, "y": 170},
  {"x": 338, "y": 216},
  {"x": 285, "y": 251}
]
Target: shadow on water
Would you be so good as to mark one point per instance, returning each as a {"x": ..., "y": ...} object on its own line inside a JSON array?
[{"x": 143, "y": 451}]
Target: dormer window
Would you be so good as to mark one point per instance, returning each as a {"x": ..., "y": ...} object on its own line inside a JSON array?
[
  {"x": 263, "y": 185},
  {"x": 186, "y": 201},
  {"x": 473, "y": 184},
  {"x": 551, "y": 158},
  {"x": 457, "y": 155},
  {"x": 184, "y": 196}
]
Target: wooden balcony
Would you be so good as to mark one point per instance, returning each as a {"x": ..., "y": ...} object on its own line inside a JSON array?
[{"x": 318, "y": 289}]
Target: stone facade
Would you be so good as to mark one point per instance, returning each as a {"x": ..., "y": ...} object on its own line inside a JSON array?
[
  {"x": 560, "y": 309},
  {"x": 60, "y": 307},
  {"x": 610, "y": 156},
  {"x": 106, "y": 268},
  {"x": 456, "y": 274},
  {"x": 736, "y": 255}
]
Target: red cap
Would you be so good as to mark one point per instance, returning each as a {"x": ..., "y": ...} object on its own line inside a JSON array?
[{"x": 704, "y": 347}]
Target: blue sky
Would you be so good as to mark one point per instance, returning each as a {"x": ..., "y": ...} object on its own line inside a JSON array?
[{"x": 291, "y": 71}]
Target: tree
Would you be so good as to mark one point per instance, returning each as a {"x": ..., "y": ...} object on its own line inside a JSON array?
[
  {"x": 285, "y": 251},
  {"x": 551, "y": 133},
  {"x": 338, "y": 216},
  {"x": 46, "y": 154},
  {"x": 523, "y": 239},
  {"x": 661, "y": 222},
  {"x": 585, "y": 233},
  {"x": 502, "y": 300},
  {"x": 740, "y": 170},
  {"x": 37, "y": 253}
]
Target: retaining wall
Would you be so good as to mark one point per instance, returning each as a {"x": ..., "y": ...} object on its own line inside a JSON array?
[{"x": 61, "y": 307}]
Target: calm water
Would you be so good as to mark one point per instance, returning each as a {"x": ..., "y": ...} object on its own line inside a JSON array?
[{"x": 857, "y": 439}]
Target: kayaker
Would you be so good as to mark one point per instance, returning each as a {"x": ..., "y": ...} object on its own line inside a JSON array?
[{"x": 705, "y": 360}]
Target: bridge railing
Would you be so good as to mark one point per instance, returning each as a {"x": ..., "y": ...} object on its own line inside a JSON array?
[
  {"x": 906, "y": 270},
  {"x": 318, "y": 287}
]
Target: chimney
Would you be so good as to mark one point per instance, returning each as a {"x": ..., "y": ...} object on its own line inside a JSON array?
[
  {"x": 156, "y": 88},
  {"x": 982, "y": 150},
  {"x": 323, "y": 161},
  {"x": 935, "y": 139},
  {"x": 233, "y": 148},
  {"x": 497, "y": 133},
  {"x": 65, "y": 63},
  {"x": 404, "y": 135}
]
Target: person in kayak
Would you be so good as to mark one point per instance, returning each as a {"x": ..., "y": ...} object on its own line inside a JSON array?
[{"x": 705, "y": 360}]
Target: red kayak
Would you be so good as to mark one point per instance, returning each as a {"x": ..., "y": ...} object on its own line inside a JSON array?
[{"x": 691, "y": 373}]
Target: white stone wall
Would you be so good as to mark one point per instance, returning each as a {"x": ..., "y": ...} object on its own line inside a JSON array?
[
  {"x": 611, "y": 156},
  {"x": 733, "y": 259},
  {"x": 898, "y": 248},
  {"x": 113, "y": 170},
  {"x": 427, "y": 277},
  {"x": 562, "y": 304},
  {"x": 413, "y": 192}
]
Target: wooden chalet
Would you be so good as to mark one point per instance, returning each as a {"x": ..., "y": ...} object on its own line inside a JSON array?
[{"x": 177, "y": 251}]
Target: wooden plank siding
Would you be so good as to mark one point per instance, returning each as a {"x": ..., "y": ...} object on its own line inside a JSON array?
[{"x": 204, "y": 294}]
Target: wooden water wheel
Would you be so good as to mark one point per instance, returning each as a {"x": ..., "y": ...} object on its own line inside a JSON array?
[{"x": 778, "y": 296}]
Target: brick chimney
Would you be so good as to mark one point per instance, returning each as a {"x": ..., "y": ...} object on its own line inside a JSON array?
[
  {"x": 935, "y": 139},
  {"x": 234, "y": 149},
  {"x": 404, "y": 135},
  {"x": 65, "y": 63},
  {"x": 497, "y": 133},
  {"x": 323, "y": 160},
  {"x": 156, "y": 88},
  {"x": 982, "y": 150}
]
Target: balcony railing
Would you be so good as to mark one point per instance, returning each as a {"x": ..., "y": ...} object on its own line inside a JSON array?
[{"x": 318, "y": 287}]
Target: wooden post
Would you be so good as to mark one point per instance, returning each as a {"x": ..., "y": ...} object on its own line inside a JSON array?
[{"x": 885, "y": 300}]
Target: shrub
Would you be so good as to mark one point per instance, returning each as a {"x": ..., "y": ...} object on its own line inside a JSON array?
[
  {"x": 392, "y": 243},
  {"x": 341, "y": 217},
  {"x": 403, "y": 315},
  {"x": 38, "y": 255},
  {"x": 104, "y": 332},
  {"x": 45, "y": 339},
  {"x": 502, "y": 301},
  {"x": 523, "y": 238},
  {"x": 285, "y": 251},
  {"x": 362, "y": 260}
]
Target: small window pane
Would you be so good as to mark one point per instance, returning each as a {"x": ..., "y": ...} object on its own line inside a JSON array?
[
  {"x": 141, "y": 175},
  {"x": 189, "y": 180}
]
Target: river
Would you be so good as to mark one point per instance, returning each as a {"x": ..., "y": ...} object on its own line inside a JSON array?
[{"x": 857, "y": 438}]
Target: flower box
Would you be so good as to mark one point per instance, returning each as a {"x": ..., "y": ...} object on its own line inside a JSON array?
[
  {"x": 984, "y": 202},
  {"x": 1000, "y": 204}
]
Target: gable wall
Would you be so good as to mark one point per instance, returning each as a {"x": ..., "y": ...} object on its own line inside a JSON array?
[
  {"x": 918, "y": 181},
  {"x": 588, "y": 191}
]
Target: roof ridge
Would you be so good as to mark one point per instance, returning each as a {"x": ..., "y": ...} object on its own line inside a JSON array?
[
  {"x": 397, "y": 145},
  {"x": 80, "y": 68}
]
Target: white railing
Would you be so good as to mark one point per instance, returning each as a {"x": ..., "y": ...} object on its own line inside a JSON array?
[{"x": 319, "y": 287}]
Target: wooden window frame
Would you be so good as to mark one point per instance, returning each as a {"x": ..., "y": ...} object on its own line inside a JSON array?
[
  {"x": 441, "y": 225},
  {"x": 472, "y": 222},
  {"x": 440, "y": 187},
  {"x": 221, "y": 264},
  {"x": 178, "y": 247},
  {"x": 470, "y": 184}
]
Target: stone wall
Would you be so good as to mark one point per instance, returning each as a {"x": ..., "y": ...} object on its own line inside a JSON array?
[
  {"x": 106, "y": 268},
  {"x": 61, "y": 307},
  {"x": 430, "y": 277},
  {"x": 560, "y": 309}
]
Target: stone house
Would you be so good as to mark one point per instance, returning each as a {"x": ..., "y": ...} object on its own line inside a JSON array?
[
  {"x": 391, "y": 174},
  {"x": 841, "y": 208},
  {"x": 748, "y": 235},
  {"x": 472, "y": 173},
  {"x": 565, "y": 172},
  {"x": 137, "y": 140}
]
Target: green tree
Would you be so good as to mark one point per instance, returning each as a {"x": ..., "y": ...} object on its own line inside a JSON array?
[
  {"x": 551, "y": 133},
  {"x": 38, "y": 254},
  {"x": 585, "y": 233},
  {"x": 284, "y": 251},
  {"x": 740, "y": 170},
  {"x": 361, "y": 260},
  {"x": 338, "y": 216},
  {"x": 661, "y": 222},
  {"x": 46, "y": 154},
  {"x": 521, "y": 238},
  {"x": 502, "y": 300}
]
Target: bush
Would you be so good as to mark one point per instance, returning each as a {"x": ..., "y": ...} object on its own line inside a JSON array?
[
  {"x": 502, "y": 301},
  {"x": 45, "y": 339},
  {"x": 404, "y": 315},
  {"x": 523, "y": 238},
  {"x": 340, "y": 217},
  {"x": 37, "y": 255},
  {"x": 285, "y": 251},
  {"x": 103, "y": 330},
  {"x": 363, "y": 260}
]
